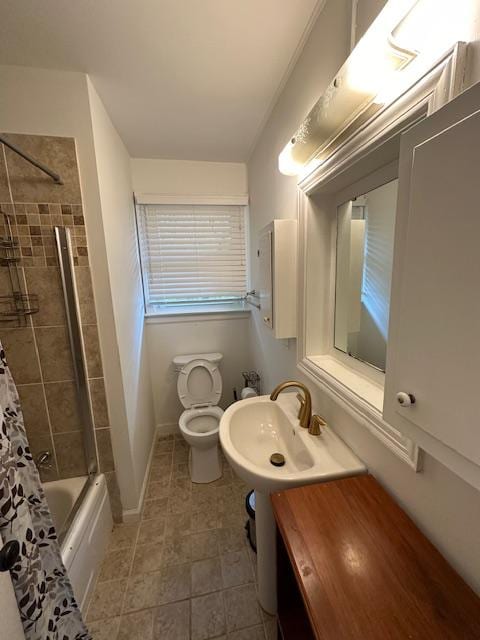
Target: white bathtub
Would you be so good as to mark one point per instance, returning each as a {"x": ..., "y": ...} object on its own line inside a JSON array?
[{"x": 83, "y": 544}]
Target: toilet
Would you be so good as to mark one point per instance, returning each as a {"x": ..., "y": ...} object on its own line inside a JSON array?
[{"x": 199, "y": 387}]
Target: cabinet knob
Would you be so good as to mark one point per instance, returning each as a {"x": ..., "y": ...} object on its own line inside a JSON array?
[
  {"x": 405, "y": 399},
  {"x": 266, "y": 319},
  {"x": 9, "y": 555}
]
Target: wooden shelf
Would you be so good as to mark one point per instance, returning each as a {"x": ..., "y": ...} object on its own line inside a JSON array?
[{"x": 365, "y": 571}]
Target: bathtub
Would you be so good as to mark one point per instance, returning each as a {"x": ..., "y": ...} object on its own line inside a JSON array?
[{"x": 83, "y": 531}]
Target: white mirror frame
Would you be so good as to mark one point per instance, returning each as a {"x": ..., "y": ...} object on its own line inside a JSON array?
[{"x": 373, "y": 146}]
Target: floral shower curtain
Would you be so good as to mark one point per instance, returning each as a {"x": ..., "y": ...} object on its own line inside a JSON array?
[{"x": 44, "y": 595}]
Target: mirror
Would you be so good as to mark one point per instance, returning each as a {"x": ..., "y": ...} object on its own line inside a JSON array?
[{"x": 365, "y": 233}]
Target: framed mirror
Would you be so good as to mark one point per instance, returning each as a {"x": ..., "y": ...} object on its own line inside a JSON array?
[{"x": 364, "y": 259}]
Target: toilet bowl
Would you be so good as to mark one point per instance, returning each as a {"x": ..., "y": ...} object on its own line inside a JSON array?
[{"x": 199, "y": 388}]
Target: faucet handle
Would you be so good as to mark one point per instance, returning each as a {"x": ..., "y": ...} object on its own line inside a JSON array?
[
  {"x": 316, "y": 424},
  {"x": 301, "y": 399},
  {"x": 44, "y": 460}
]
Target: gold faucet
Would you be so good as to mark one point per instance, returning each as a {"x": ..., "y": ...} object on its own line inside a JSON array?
[
  {"x": 305, "y": 414},
  {"x": 316, "y": 424},
  {"x": 313, "y": 423}
]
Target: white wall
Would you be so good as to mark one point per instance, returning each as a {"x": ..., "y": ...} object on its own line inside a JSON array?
[
  {"x": 185, "y": 177},
  {"x": 118, "y": 215},
  {"x": 444, "y": 507},
  {"x": 45, "y": 102},
  {"x": 230, "y": 335}
]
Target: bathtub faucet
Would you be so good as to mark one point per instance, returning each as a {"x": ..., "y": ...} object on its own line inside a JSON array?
[{"x": 44, "y": 460}]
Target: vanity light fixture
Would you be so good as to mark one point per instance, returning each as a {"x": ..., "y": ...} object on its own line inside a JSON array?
[{"x": 349, "y": 99}]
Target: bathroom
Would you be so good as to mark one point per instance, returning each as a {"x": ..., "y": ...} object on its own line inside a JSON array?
[{"x": 149, "y": 519}]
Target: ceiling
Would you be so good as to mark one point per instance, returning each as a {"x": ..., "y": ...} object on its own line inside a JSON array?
[{"x": 183, "y": 79}]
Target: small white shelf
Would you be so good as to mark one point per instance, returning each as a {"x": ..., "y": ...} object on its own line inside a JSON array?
[{"x": 278, "y": 277}]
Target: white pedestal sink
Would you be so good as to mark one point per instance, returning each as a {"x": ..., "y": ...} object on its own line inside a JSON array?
[{"x": 250, "y": 432}]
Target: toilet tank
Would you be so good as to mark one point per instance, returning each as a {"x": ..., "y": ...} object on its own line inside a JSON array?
[{"x": 180, "y": 361}]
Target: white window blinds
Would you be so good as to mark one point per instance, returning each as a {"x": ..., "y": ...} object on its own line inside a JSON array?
[{"x": 192, "y": 253}]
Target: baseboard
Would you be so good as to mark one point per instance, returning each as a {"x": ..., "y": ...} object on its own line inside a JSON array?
[
  {"x": 167, "y": 429},
  {"x": 134, "y": 515}
]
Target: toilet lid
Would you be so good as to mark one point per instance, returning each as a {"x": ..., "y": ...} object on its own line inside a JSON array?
[{"x": 199, "y": 383}]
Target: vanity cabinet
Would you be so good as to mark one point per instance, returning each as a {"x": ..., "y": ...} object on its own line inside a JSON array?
[
  {"x": 353, "y": 566},
  {"x": 277, "y": 252},
  {"x": 433, "y": 356}
]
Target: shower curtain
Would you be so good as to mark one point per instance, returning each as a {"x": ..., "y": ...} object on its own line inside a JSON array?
[{"x": 44, "y": 595}]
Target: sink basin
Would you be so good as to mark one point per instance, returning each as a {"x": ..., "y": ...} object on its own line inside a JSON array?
[
  {"x": 253, "y": 429},
  {"x": 250, "y": 432},
  {"x": 257, "y": 430}
]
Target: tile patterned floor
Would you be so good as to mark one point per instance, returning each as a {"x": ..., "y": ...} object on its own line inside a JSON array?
[{"x": 186, "y": 571}]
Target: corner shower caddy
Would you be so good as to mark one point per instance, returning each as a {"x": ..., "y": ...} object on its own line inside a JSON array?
[{"x": 17, "y": 305}]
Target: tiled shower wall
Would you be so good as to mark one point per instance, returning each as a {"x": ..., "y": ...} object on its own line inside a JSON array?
[{"x": 39, "y": 353}]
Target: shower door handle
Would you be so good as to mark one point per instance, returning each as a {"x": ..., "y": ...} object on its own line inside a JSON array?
[{"x": 9, "y": 555}]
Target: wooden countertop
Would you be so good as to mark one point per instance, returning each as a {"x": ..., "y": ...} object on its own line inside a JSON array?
[{"x": 364, "y": 569}]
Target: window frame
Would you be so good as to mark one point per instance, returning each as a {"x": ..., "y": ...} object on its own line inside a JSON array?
[{"x": 202, "y": 310}]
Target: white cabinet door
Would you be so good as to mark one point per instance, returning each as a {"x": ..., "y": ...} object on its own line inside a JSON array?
[
  {"x": 10, "y": 625},
  {"x": 434, "y": 339},
  {"x": 266, "y": 282}
]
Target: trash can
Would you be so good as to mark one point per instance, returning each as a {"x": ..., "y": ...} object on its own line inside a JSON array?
[{"x": 250, "y": 524}]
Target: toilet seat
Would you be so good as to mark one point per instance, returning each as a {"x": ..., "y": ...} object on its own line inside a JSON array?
[
  {"x": 190, "y": 414},
  {"x": 199, "y": 390}
]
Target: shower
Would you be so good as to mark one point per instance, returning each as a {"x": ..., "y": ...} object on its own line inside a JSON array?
[{"x": 48, "y": 328}]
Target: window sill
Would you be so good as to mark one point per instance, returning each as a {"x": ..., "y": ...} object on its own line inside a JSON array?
[{"x": 197, "y": 312}]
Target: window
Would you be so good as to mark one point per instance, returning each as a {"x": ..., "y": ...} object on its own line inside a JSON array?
[{"x": 192, "y": 254}]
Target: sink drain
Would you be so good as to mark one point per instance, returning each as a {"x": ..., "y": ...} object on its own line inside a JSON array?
[{"x": 277, "y": 459}]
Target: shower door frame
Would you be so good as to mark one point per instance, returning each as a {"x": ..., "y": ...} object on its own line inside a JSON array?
[{"x": 63, "y": 242}]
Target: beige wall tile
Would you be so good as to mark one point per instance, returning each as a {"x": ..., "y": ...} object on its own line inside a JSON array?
[
  {"x": 45, "y": 282},
  {"x": 70, "y": 454},
  {"x": 38, "y": 444},
  {"x": 21, "y": 354},
  {"x": 62, "y": 402},
  {"x": 92, "y": 351},
  {"x": 114, "y": 495},
  {"x": 29, "y": 184},
  {"x": 85, "y": 295},
  {"x": 105, "y": 453},
  {"x": 4, "y": 190},
  {"x": 34, "y": 409},
  {"x": 55, "y": 355},
  {"x": 99, "y": 403}
]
